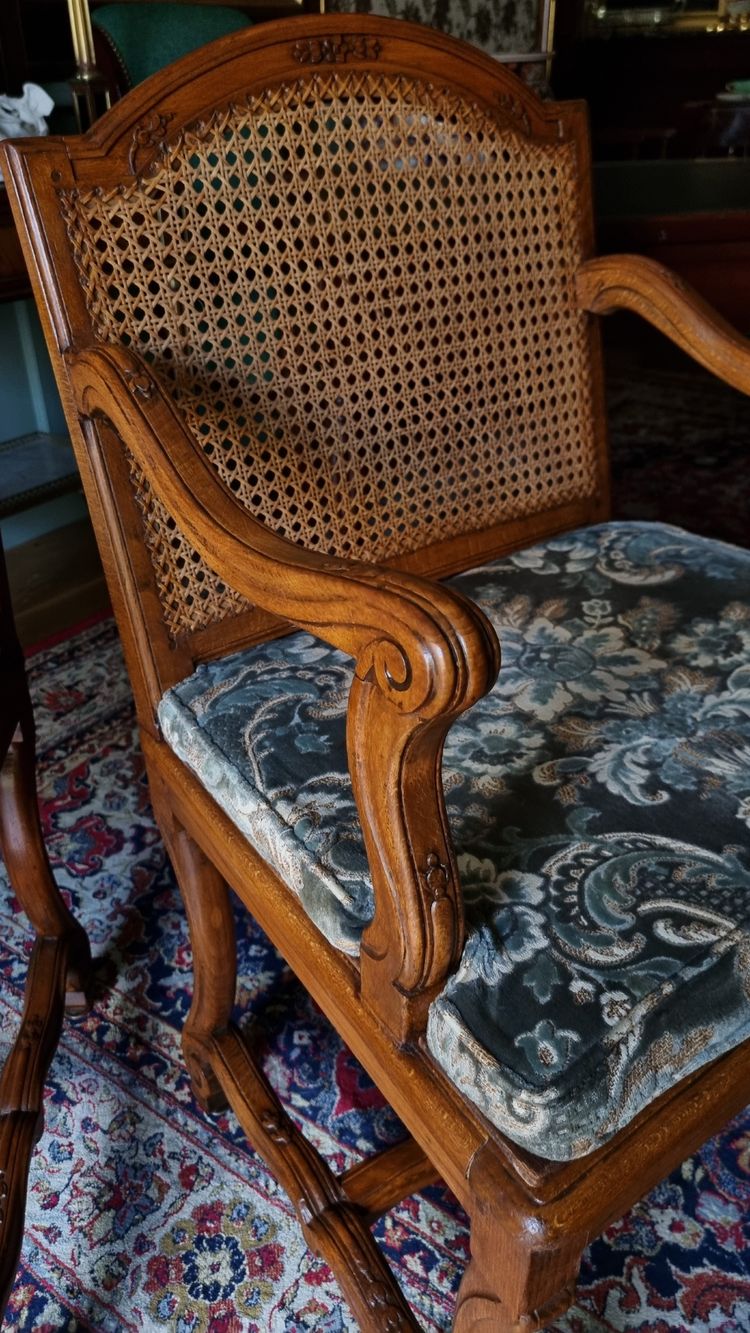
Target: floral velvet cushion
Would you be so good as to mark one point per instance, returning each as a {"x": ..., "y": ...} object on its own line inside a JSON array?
[{"x": 599, "y": 800}]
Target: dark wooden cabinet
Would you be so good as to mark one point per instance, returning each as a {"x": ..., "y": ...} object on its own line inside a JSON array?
[{"x": 672, "y": 177}]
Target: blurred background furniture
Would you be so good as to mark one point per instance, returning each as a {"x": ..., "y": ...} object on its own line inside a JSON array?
[
  {"x": 118, "y": 45},
  {"x": 671, "y": 174},
  {"x": 131, "y": 41},
  {"x": 60, "y": 963}
]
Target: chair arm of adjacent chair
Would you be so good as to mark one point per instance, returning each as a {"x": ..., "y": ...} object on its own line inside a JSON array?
[
  {"x": 631, "y": 282},
  {"x": 423, "y": 655}
]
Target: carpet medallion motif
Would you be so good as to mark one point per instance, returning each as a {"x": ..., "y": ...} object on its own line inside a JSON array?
[{"x": 143, "y": 1214}]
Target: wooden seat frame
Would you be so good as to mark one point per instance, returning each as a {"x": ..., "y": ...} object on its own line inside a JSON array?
[
  {"x": 59, "y": 974},
  {"x": 423, "y": 655}
]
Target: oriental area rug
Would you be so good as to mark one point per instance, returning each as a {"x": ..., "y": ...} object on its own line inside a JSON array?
[{"x": 144, "y": 1214}]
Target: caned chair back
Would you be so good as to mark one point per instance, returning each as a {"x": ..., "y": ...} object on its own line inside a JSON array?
[{"x": 347, "y": 247}]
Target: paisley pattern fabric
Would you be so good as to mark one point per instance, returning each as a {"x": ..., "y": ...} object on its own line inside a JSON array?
[
  {"x": 264, "y": 731},
  {"x": 599, "y": 800}
]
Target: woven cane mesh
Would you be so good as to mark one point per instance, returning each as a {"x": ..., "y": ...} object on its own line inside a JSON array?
[{"x": 359, "y": 290}]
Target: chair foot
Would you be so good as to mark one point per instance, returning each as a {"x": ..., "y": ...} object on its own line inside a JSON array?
[
  {"x": 483, "y": 1314},
  {"x": 79, "y": 979},
  {"x": 510, "y": 1287}
]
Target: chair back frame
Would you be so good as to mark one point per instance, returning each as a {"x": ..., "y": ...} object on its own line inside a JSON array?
[{"x": 139, "y": 139}]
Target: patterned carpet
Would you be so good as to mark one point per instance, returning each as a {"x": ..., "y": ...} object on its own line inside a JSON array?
[{"x": 141, "y": 1215}]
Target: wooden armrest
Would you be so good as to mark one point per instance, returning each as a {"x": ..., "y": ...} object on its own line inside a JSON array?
[
  {"x": 630, "y": 282},
  {"x": 423, "y": 654},
  {"x": 427, "y": 647}
]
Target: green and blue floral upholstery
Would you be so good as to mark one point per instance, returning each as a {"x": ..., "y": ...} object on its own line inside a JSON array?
[{"x": 599, "y": 800}]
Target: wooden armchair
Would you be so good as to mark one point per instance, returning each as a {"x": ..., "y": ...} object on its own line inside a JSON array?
[{"x": 319, "y": 301}]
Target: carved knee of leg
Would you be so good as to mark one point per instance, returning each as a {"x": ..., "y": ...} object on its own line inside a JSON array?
[{"x": 206, "y": 1088}]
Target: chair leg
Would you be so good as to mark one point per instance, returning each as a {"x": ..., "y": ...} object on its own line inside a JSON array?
[
  {"x": 59, "y": 977},
  {"x": 29, "y": 870},
  {"x": 224, "y": 1072},
  {"x": 211, "y": 925},
  {"x": 22, "y": 1095},
  {"x": 510, "y": 1286}
]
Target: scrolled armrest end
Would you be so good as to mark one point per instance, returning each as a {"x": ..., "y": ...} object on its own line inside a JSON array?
[{"x": 440, "y": 653}]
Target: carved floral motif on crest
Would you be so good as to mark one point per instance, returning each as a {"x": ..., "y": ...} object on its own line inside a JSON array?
[{"x": 336, "y": 49}]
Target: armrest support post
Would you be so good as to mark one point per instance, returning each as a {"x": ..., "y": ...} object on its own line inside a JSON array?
[{"x": 423, "y": 654}]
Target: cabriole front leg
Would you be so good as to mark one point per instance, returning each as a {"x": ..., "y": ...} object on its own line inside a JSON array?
[
  {"x": 524, "y": 1258},
  {"x": 211, "y": 925},
  {"x": 515, "y": 1284}
]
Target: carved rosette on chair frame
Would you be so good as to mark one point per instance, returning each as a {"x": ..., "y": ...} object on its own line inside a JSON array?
[{"x": 318, "y": 298}]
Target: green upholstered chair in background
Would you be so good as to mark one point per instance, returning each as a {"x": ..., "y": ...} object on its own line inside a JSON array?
[
  {"x": 132, "y": 41},
  {"x": 135, "y": 40}
]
